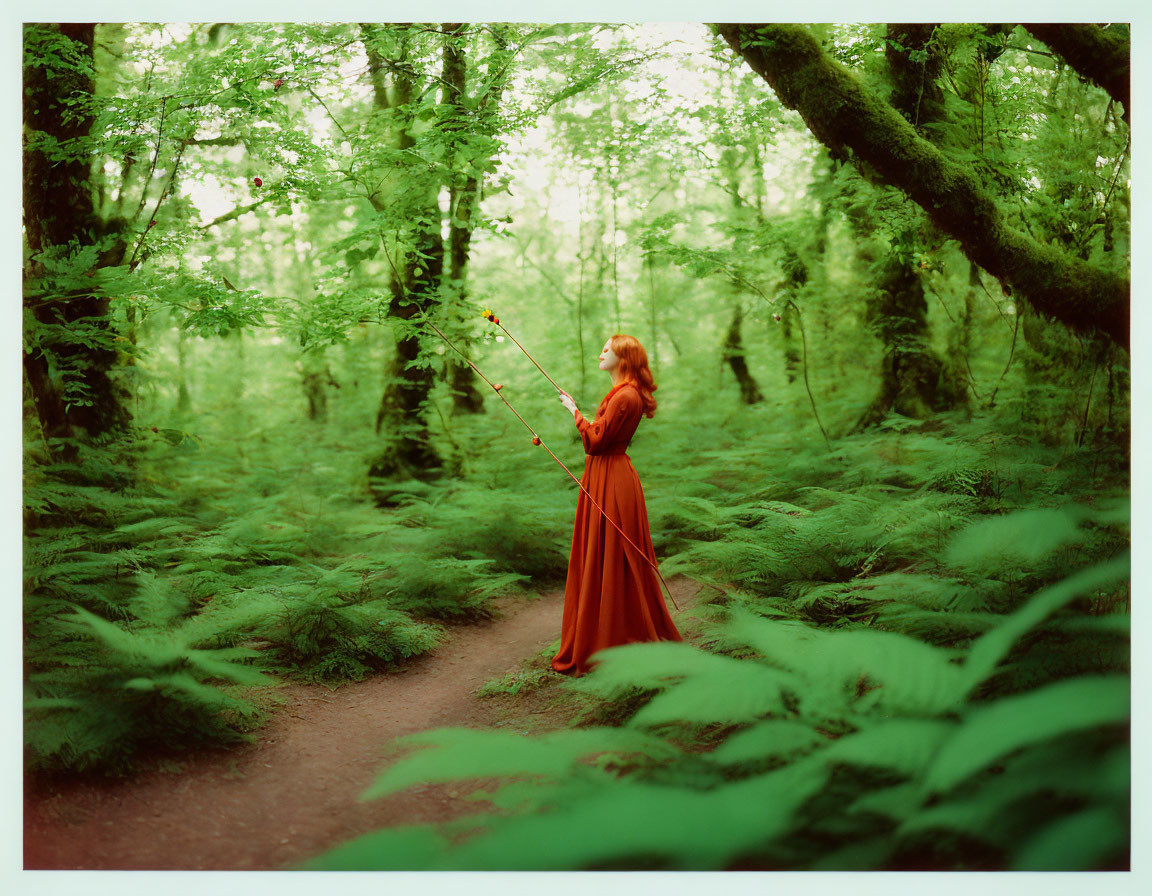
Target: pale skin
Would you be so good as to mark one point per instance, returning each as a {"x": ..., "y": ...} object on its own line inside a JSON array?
[{"x": 609, "y": 362}]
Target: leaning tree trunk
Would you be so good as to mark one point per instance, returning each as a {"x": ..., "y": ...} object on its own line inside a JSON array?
[
  {"x": 841, "y": 113},
  {"x": 414, "y": 286},
  {"x": 59, "y": 210},
  {"x": 1102, "y": 57}
]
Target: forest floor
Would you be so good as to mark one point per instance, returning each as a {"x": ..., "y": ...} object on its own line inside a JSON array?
[{"x": 293, "y": 794}]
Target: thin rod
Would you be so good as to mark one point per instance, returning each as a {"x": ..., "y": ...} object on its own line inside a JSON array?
[
  {"x": 530, "y": 358},
  {"x": 537, "y": 439}
]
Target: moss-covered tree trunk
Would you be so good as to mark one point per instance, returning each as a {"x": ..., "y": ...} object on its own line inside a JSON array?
[
  {"x": 72, "y": 357},
  {"x": 414, "y": 285},
  {"x": 733, "y": 355},
  {"x": 653, "y": 314},
  {"x": 956, "y": 364},
  {"x": 732, "y": 352},
  {"x": 842, "y": 113},
  {"x": 583, "y": 256},
  {"x": 461, "y": 197},
  {"x": 915, "y": 380},
  {"x": 795, "y": 276},
  {"x": 183, "y": 395},
  {"x": 466, "y": 112}
]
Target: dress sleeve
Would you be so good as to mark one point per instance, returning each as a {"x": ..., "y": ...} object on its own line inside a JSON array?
[{"x": 605, "y": 427}]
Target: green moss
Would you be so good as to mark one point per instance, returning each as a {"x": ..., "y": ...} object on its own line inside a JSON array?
[{"x": 841, "y": 112}]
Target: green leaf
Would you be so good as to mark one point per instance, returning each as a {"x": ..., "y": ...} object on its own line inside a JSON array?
[
  {"x": 911, "y": 676},
  {"x": 410, "y": 848},
  {"x": 714, "y": 688},
  {"x": 687, "y": 829},
  {"x": 1080, "y": 842},
  {"x": 1024, "y": 537},
  {"x": 774, "y": 739},
  {"x": 906, "y": 746},
  {"x": 991, "y": 647},
  {"x": 458, "y": 752},
  {"x": 989, "y": 733}
]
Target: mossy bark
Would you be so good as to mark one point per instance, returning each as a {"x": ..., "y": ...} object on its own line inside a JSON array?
[
  {"x": 795, "y": 276},
  {"x": 732, "y": 352},
  {"x": 915, "y": 380},
  {"x": 414, "y": 287},
  {"x": 842, "y": 114},
  {"x": 733, "y": 355},
  {"x": 462, "y": 197},
  {"x": 1102, "y": 57},
  {"x": 960, "y": 341},
  {"x": 59, "y": 209},
  {"x": 316, "y": 376}
]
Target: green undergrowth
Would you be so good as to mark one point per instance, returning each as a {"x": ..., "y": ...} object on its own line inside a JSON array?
[
  {"x": 913, "y": 655},
  {"x": 172, "y": 579}
]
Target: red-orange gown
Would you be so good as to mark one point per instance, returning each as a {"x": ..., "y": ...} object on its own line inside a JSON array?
[{"x": 612, "y": 595}]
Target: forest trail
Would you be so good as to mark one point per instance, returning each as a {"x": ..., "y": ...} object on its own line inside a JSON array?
[{"x": 293, "y": 793}]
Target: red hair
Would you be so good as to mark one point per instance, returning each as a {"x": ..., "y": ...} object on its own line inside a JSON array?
[{"x": 634, "y": 368}]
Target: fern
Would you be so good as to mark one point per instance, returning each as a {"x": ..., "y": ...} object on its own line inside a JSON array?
[
  {"x": 319, "y": 635},
  {"x": 134, "y": 689},
  {"x": 816, "y": 710}
]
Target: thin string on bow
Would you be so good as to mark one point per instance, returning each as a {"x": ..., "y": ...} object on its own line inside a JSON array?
[
  {"x": 536, "y": 440},
  {"x": 487, "y": 313}
]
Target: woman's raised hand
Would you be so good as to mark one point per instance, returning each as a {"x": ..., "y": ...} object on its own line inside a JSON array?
[{"x": 566, "y": 400}]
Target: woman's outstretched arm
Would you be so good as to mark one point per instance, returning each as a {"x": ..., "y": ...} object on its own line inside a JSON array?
[{"x": 605, "y": 427}]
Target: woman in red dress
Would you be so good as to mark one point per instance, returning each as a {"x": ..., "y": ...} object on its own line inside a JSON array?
[{"x": 612, "y": 595}]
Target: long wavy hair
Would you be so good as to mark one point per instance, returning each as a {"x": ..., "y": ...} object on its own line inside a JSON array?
[{"x": 634, "y": 368}]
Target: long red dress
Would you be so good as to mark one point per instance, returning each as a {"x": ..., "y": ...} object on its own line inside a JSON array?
[{"x": 612, "y": 595}]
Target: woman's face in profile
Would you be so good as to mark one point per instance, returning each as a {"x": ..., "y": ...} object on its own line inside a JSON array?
[{"x": 608, "y": 359}]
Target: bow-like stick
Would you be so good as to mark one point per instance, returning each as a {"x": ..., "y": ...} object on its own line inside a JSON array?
[
  {"x": 492, "y": 317},
  {"x": 536, "y": 440}
]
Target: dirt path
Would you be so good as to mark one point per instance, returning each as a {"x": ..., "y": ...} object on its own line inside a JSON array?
[{"x": 293, "y": 794}]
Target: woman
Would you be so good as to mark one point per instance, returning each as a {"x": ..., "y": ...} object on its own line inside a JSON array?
[{"x": 612, "y": 595}]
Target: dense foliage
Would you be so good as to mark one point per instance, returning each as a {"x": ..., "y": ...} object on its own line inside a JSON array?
[{"x": 903, "y": 482}]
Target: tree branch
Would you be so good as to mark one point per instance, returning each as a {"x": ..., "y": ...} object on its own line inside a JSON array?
[
  {"x": 840, "y": 112},
  {"x": 1102, "y": 57},
  {"x": 234, "y": 214}
]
